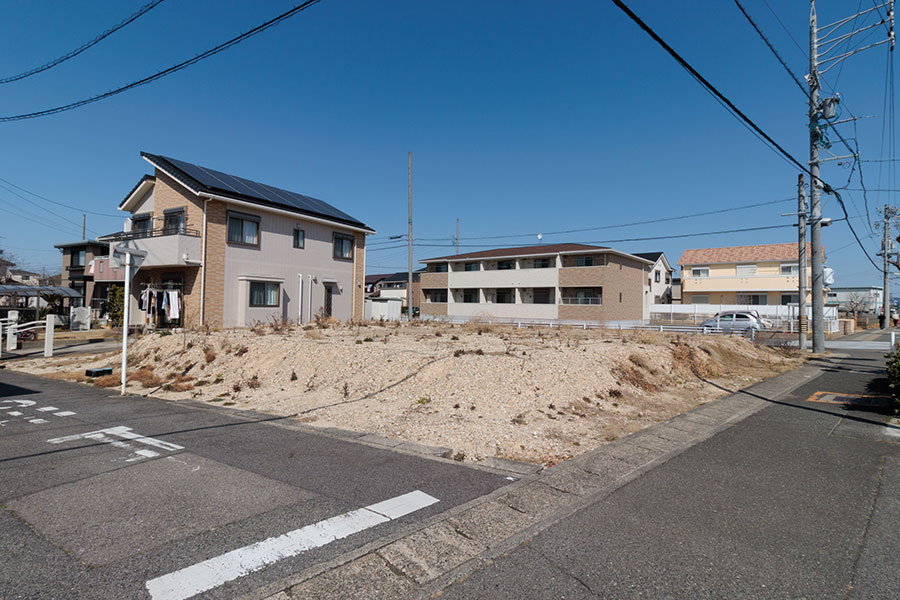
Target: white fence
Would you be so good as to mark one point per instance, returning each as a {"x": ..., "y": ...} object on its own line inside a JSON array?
[
  {"x": 11, "y": 329},
  {"x": 783, "y": 317}
]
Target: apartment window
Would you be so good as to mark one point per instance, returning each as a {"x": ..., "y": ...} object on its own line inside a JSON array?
[
  {"x": 435, "y": 295},
  {"x": 544, "y": 296},
  {"x": 584, "y": 261},
  {"x": 656, "y": 276},
  {"x": 343, "y": 246},
  {"x": 506, "y": 265},
  {"x": 243, "y": 229},
  {"x": 506, "y": 296},
  {"x": 745, "y": 270},
  {"x": 140, "y": 225},
  {"x": 437, "y": 268},
  {"x": 620, "y": 297},
  {"x": 754, "y": 299},
  {"x": 700, "y": 299},
  {"x": 173, "y": 221},
  {"x": 700, "y": 272},
  {"x": 299, "y": 238},
  {"x": 791, "y": 299},
  {"x": 542, "y": 263},
  {"x": 470, "y": 296},
  {"x": 264, "y": 293},
  {"x": 77, "y": 258},
  {"x": 470, "y": 266},
  {"x": 790, "y": 269}
]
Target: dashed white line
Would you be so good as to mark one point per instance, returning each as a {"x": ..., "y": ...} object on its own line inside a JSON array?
[
  {"x": 14, "y": 413},
  {"x": 47, "y": 408},
  {"x": 214, "y": 572},
  {"x": 37, "y": 421},
  {"x": 64, "y": 413}
]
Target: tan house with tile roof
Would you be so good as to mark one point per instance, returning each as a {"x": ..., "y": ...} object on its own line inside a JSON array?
[{"x": 762, "y": 274}]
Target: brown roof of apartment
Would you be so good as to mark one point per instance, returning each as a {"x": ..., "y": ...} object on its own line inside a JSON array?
[
  {"x": 520, "y": 251},
  {"x": 742, "y": 254}
]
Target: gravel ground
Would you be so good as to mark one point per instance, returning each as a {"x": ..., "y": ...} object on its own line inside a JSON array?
[{"x": 532, "y": 395}]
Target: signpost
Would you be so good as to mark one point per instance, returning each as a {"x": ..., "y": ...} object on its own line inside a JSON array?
[{"x": 135, "y": 258}]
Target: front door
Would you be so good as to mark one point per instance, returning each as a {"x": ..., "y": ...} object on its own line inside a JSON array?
[{"x": 329, "y": 292}]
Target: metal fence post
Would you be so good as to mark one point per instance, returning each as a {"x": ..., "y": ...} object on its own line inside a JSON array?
[{"x": 48, "y": 336}]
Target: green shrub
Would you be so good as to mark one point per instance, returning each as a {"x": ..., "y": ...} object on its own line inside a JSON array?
[{"x": 893, "y": 371}]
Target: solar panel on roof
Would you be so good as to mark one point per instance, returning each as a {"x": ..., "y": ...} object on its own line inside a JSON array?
[{"x": 229, "y": 184}]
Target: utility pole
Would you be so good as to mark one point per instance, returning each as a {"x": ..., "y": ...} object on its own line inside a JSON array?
[
  {"x": 83, "y": 223},
  {"x": 818, "y": 275},
  {"x": 457, "y": 235},
  {"x": 802, "y": 323},
  {"x": 887, "y": 250},
  {"x": 409, "y": 238}
]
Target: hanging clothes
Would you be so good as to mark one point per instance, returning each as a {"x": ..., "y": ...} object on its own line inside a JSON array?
[
  {"x": 145, "y": 300},
  {"x": 174, "y": 308}
]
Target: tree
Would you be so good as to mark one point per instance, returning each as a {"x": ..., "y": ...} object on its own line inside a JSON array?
[
  {"x": 53, "y": 306},
  {"x": 115, "y": 304},
  {"x": 857, "y": 303}
]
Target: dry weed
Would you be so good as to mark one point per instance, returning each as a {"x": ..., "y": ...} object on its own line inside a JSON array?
[
  {"x": 108, "y": 381},
  {"x": 146, "y": 377}
]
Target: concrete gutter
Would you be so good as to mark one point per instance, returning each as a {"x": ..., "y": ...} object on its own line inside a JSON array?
[{"x": 422, "y": 559}]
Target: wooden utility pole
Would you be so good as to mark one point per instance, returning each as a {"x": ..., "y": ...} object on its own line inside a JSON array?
[
  {"x": 409, "y": 238},
  {"x": 802, "y": 323}
]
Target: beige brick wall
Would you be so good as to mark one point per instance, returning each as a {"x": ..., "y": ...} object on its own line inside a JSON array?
[
  {"x": 433, "y": 308},
  {"x": 620, "y": 275},
  {"x": 359, "y": 277},
  {"x": 216, "y": 223},
  {"x": 169, "y": 194},
  {"x": 429, "y": 281}
]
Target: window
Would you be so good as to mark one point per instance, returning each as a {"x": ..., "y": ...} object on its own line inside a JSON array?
[
  {"x": 656, "y": 276},
  {"x": 754, "y": 299},
  {"x": 264, "y": 293},
  {"x": 790, "y": 269},
  {"x": 140, "y": 225},
  {"x": 668, "y": 279},
  {"x": 173, "y": 221},
  {"x": 792, "y": 299},
  {"x": 745, "y": 270},
  {"x": 506, "y": 296},
  {"x": 470, "y": 266},
  {"x": 243, "y": 229},
  {"x": 437, "y": 268},
  {"x": 343, "y": 246},
  {"x": 544, "y": 296},
  {"x": 435, "y": 295},
  {"x": 700, "y": 272},
  {"x": 700, "y": 299},
  {"x": 299, "y": 238},
  {"x": 470, "y": 296},
  {"x": 542, "y": 263},
  {"x": 584, "y": 261},
  {"x": 620, "y": 297},
  {"x": 77, "y": 258},
  {"x": 506, "y": 265}
]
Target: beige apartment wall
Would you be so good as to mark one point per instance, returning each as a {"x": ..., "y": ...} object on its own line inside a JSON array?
[
  {"x": 756, "y": 283},
  {"x": 168, "y": 194},
  {"x": 430, "y": 281},
  {"x": 214, "y": 264},
  {"x": 773, "y": 298},
  {"x": 620, "y": 275},
  {"x": 436, "y": 309},
  {"x": 359, "y": 276}
]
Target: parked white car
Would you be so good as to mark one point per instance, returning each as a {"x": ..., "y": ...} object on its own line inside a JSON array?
[{"x": 735, "y": 321}]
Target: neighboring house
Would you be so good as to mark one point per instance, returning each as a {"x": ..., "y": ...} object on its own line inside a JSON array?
[
  {"x": 558, "y": 281},
  {"x": 233, "y": 252},
  {"x": 660, "y": 277},
  {"x": 82, "y": 273},
  {"x": 676, "y": 290},
  {"x": 23, "y": 277},
  {"x": 856, "y": 299},
  {"x": 372, "y": 283},
  {"x": 394, "y": 286},
  {"x": 763, "y": 274}
]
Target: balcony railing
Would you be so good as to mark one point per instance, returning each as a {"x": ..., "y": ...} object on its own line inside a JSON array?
[
  {"x": 151, "y": 233},
  {"x": 575, "y": 300}
]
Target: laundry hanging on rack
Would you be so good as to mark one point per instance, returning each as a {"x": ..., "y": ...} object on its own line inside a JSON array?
[{"x": 174, "y": 308}]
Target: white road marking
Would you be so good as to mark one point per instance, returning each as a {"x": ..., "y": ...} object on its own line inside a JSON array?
[
  {"x": 64, "y": 413},
  {"x": 206, "y": 575},
  {"x": 21, "y": 403},
  {"x": 14, "y": 413},
  {"x": 104, "y": 437},
  {"x": 37, "y": 421},
  {"x": 48, "y": 409}
]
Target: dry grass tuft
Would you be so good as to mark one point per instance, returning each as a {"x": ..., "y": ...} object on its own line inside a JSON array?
[
  {"x": 315, "y": 334},
  {"x": 210, "y": 355},
  {"x": 633, "y": 376},
  {"x": 146, "y": 377},
  {"x": 108, "y": 381}
]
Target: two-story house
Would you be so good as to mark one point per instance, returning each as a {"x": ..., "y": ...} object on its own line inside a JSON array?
[
  {"x": 556, "y": 281},
  {"x": 660, "y": 277},
  {"x": 82, "y": 273},
  {"x": 224, "y": 251},
  {"x": 762, "y": 274}
]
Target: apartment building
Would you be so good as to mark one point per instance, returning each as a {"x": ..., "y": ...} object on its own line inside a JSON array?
[
  {"x": 224, "y": 251},
  {"x": 761, "y": 274},
  {"x": 559, "y": 281},
  {"x": 856, "y": 299}
]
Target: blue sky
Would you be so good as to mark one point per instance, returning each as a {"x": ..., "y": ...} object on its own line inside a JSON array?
[{"x": 522, "y": 117}]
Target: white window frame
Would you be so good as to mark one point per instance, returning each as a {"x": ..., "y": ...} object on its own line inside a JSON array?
[{"x": 698, "y": 272}]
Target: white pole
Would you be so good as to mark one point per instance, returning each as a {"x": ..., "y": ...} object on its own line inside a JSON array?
[
  {"x": 300, "y": 295},
  {"x": 125, "y": 319},
  {"x": 11, "y": 337},
  {"x": 48, "y": 336}
]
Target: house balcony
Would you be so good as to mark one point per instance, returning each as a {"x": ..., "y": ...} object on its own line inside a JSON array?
[
  {"x": 752, "y": 283},
  {"x": 165, "y": 247}
]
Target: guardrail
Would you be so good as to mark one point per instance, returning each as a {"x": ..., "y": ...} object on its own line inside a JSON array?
[{"x": 12, "y": 329}]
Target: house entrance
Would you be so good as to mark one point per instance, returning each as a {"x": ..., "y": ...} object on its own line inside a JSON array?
[{"x": 329, "y": 293}]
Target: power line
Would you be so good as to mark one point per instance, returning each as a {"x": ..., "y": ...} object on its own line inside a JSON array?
[
  {"x": 46, "y": 210},
  {"x": 173, "y": 69},
  {"x": 146, "y": 8},
  {"x": 69, "y": 206},
  {"x": 787, "y": 31},
  {"x": 772, "y": 48},
  {"x": 736, "y": 111}
]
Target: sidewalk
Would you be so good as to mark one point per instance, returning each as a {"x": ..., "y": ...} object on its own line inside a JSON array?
[{"x": 762, "y": 494}]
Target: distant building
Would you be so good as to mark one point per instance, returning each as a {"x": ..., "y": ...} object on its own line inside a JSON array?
[
  {"x": 86, "y": 269},
  {"x": 660, "y": 277},
  {"x": 556, "y": 281},
  {"x": 856, "y": 299},
  {"x": 749, "y": 275}
]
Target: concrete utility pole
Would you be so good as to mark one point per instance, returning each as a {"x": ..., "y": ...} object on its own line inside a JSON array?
[
  {"x": 818, "y": 274},
  {"x": 83, "y": 226},
  {"x": 409, "y": 238},
  {"x": 886, "y": 250},
  {"x": 802, "y": 323},
  {"x": 457, "y": 236}
]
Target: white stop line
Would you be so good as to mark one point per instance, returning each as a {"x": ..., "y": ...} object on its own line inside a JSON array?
[{"x": 212, "y": 573}]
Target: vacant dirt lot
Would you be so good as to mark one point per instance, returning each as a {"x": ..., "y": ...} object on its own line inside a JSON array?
[{"x": 533, "y": 395}]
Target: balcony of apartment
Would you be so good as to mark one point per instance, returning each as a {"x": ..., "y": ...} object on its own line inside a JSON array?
[
  {"x": 506, "y": 274},
  {"x": 507, "y": 303},
  {"x": 169, "y": 242},
  {"x": 741, "y": 283}
]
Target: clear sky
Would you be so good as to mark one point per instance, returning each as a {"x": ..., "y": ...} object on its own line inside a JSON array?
[{"x": 522, "y": 117}]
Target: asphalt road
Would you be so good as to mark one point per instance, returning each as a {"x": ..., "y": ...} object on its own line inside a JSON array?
[
  {"x": 102, "y": 494},
  {"x": 800, "y": 500}
]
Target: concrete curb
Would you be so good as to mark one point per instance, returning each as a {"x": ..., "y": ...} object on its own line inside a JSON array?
[{"x": 420, "y": 560}]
